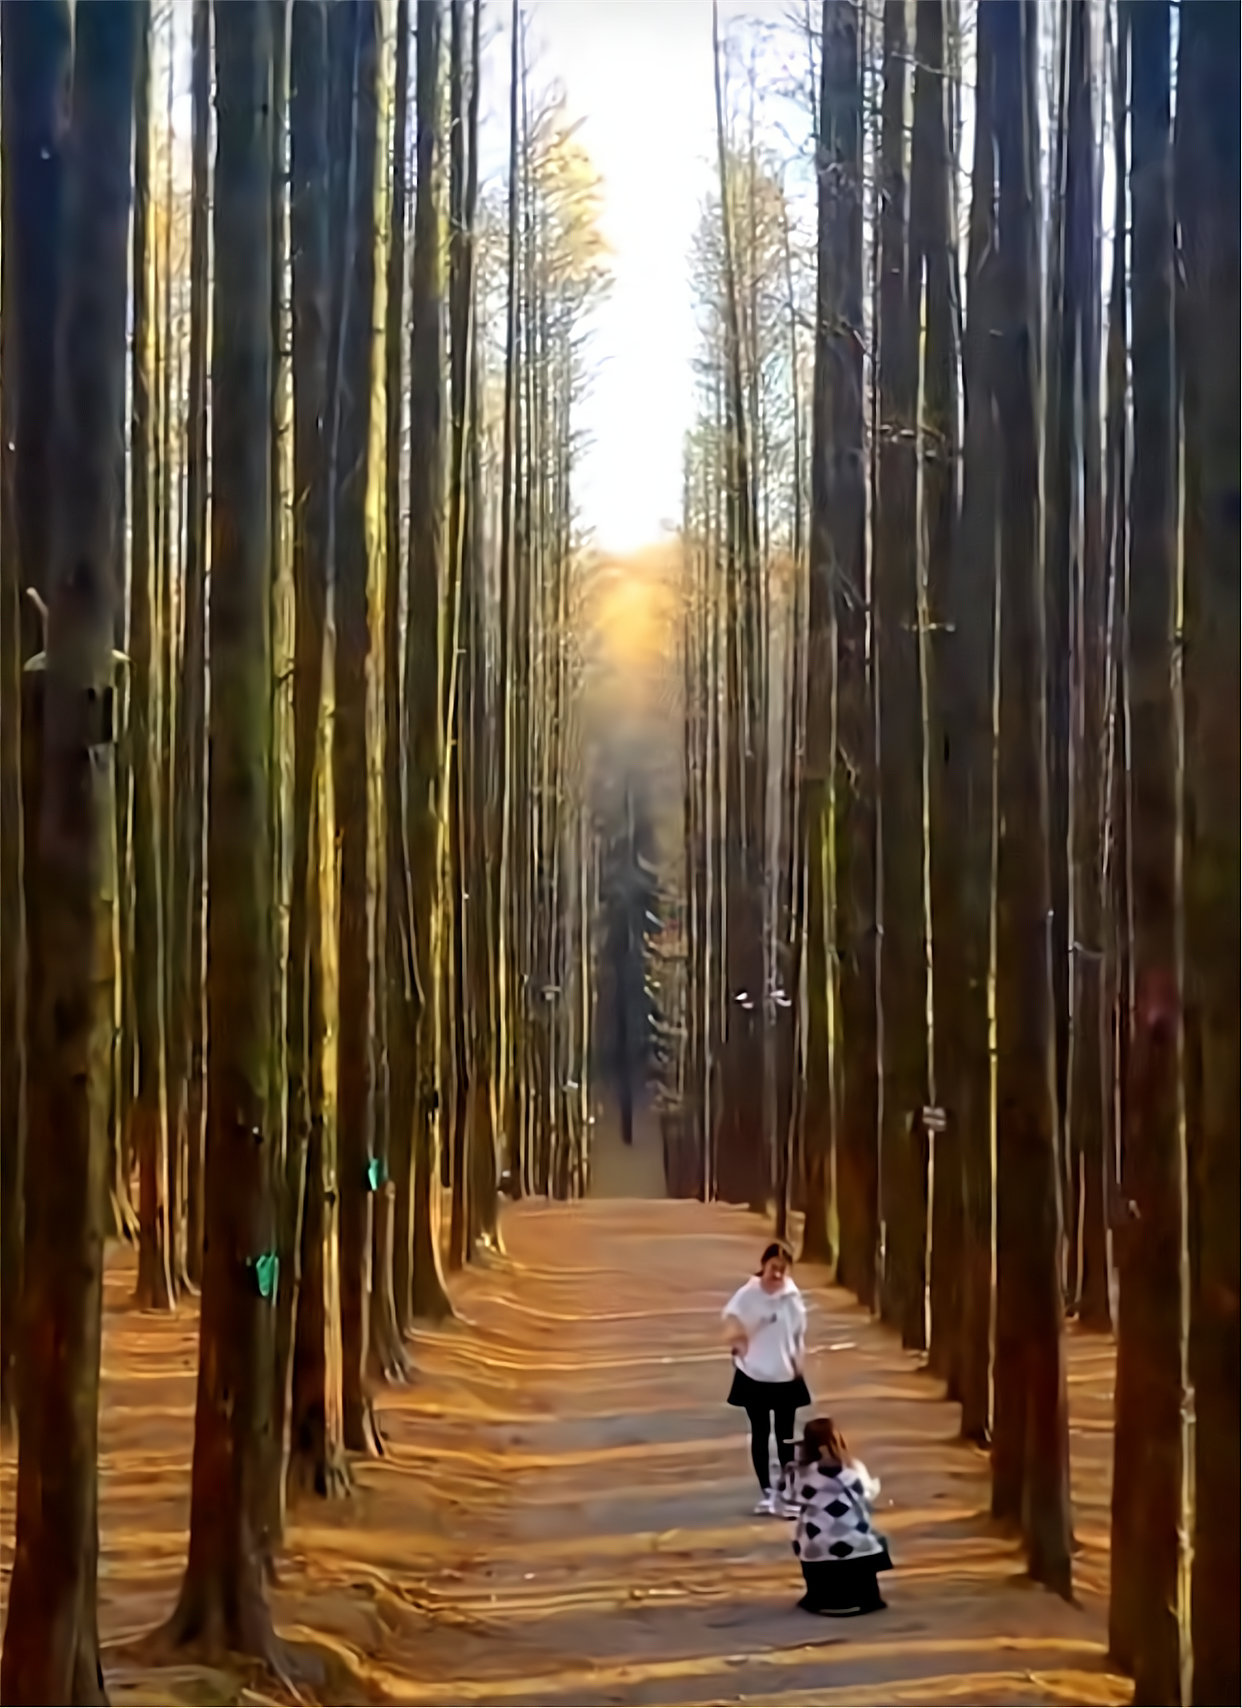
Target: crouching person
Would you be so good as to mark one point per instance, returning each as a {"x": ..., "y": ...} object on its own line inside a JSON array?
[{"x": 835, "y": 1540}]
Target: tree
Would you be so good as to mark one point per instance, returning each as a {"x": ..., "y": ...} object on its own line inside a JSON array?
[
  {"x": 1153, "y": 1266},
  {"x": 36, "y": 61},
  {"x": 1031, "y": 1440},
  {"x": 969, "y": 678},
  {"x": 933, "y": 285},
  {"x": 223, "y": 1599},
  {"x": 311, "y": 1296},
  {"x": 1208, "y": 107},
  {"x": 897, "y": 667},
  {"x": 422, "y": 650},
  {"x": 1087, "y": 1209},
  {"x": 185, "y": 1091},
  {"x": 51, "y": 1644},
  {"x": 145, "y": 606},
  {"x": 353, "y": 133}
]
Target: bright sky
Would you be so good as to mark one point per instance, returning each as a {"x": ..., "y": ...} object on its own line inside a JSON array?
[{"x": 639, "y": 74}]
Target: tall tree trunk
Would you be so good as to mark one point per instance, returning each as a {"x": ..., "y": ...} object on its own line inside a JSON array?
[
  {"x": 150, "y": 1104},
  {"x": 856, "y": 1040},
  {"x": 223, "y": 1601},
  {"x": 1153, "y": 1258},
  {"x": 835, "y": 189},
  {"x": 12, "y": 912},
  {"x": 933, "y": 285},
  {"x": 185, "y": 1010},
  {"x": 1088, "y": 1095},
  {"x": 1031, "y": 1443},
  {"x": 1209, "y": 107},
  {"x": 970, "y": 677},
  {"x": 51, "y": 1643},
  {"x": 36, "y": 57},
  {"x": 745, "y": 1164},
  {"x": 403, "y": 995},
  {"x": 358, "y": 59},
  {"x": 423, "y": 653},
  {"x": 895, "y": 606}
]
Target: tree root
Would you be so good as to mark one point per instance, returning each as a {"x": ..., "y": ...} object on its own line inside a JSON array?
[
  {"x": 210, "y": 1626},
  {"x": 321, "y": 1471}
]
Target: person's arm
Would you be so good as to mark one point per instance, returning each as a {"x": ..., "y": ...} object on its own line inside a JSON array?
[
  {"x": 736, "y": 1335},
  {"x": 736, "y": 1332},
  {"x": 799, "y": 1355},
  {"x": 870, "y": 1484}
]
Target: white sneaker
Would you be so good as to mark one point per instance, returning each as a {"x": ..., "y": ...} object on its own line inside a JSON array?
[{"x": 765, "y": 1506}]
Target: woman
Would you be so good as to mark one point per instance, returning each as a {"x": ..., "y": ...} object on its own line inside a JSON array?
[
  {"x": 836, "y": 1542},
  {"x": 766, "y": 1324}
]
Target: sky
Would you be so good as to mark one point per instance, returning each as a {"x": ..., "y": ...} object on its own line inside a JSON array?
[{"x": 638, "y": 73}]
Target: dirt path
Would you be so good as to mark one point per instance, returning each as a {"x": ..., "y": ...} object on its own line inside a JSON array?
[{"x": 564, "y": 1512}]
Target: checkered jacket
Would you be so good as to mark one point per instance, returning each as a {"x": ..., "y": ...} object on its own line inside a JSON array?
[{"x": 834, "y": 1511}]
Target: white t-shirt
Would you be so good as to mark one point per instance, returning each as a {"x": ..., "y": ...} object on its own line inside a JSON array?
[{"x": 776, "y": 1324}]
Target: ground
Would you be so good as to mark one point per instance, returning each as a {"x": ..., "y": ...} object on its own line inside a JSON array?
[{"x": 564, "y": 1511}]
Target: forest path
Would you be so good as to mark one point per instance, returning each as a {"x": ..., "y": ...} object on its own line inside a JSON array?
[{"x": 563, "y": 1515}]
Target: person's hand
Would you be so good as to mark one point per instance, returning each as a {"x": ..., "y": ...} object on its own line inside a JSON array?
[{"x": 738, "y": 1346}]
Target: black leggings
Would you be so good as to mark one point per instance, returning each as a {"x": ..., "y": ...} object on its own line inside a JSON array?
[{"x": 759, "y": 1428}]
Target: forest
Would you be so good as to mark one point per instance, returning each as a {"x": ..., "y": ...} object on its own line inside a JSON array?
[{"x": 391, "y": 876}]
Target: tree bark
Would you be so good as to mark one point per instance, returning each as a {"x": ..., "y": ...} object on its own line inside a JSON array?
[
  {"x": 36, "y": 60},
  {"x": 933, "y": 283},
  {"x": 1153, "y": 1257},
  {"x": 150, "y": 1109},
  {"x": 1209, "y": 107},
  {"x": 897, "y": 669},
  {"x": 51, "y": 1643},
  {"x": 970, "y": 677},
  {"x": 1031, "y": 1442},
  {"x": 354, "y": 40},
  {"x": 223, "y": 1601},
  {"x": 422, "y": 655},
  {"x": 1088, "y": 1098},
  {"x": 185, "y": 1099}
]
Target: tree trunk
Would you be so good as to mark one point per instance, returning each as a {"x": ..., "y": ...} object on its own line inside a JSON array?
[
  {"x": 36, "y": 63},
  {"x": 422, "y": 656},
  {"x": 1088, "y": 1105},
  {"x": 896, "y": 665},
  {"x": 1208, "y": 105},
  {"x": 404, "y": 997},
  {"x": 51, "y": 1644},
  {"x": 317, "y": 1459},
  {"x": 185, "y": 1104},
  {"x": 12, "y": 911},
  {"x": 1153, "y": 1258},
  {"x": 223, "y": 1601},
  {"x": 855, "y": 1040},
  {"x": 970, "y": 678},
  {"x": 933, "y": 284},
  {"x": 356, "y": 63},
  {"x": 150, "y": 1103},
  {"x": 1031, "y": 1444}
]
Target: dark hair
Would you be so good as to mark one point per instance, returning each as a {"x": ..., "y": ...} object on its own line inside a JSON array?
[
  {"x": 824, "y": 1441},
  {"x": 778, "y": 1248}
]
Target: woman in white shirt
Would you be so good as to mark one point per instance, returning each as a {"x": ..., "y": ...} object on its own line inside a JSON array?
[{"x": 766, "y": 1324}]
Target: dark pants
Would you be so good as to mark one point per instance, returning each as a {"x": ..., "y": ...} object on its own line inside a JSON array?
[
  {"x": 842, "y": 1587},
  {"x": 760, "y": 1426}
]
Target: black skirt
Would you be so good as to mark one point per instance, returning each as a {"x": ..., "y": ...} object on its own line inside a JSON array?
[
  {"x": 749, "y": 1395},
  {"x": 844, "y": 1587}
]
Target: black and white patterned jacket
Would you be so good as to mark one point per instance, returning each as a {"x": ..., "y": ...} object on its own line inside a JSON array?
[{"x": 834, "y": 1511}]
